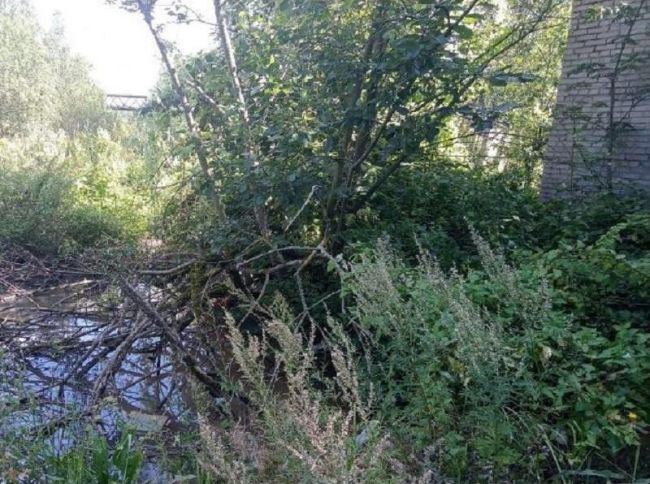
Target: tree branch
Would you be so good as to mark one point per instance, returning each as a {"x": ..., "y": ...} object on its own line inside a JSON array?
[{"x": 146, "y": 10}]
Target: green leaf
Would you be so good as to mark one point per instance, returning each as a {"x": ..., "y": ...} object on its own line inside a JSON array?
[{"x": 464, "y": 32}]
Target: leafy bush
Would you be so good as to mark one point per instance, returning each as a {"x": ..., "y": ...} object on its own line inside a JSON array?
[
  {"x": 436, "y": 202},
  {"x": 488, "y": 375},
  {"x": 59, "y": 193},
  {"x": 605, "y": 282},
  {"x": 431, "y": 204},
  {"x": 39, "y": 211},
  {"x": 492, "y": 376}
]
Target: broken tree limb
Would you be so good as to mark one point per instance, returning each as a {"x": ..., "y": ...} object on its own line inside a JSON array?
[{"x": 172, "y": 335}]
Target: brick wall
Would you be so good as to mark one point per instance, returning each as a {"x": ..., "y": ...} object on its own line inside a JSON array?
[{"x": 583, "y": 154}]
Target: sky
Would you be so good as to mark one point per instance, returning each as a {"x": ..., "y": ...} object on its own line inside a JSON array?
[{"x": 117, "y": 44}]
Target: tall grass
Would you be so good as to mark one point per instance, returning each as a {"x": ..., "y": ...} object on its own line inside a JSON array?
[{"x": 304, "y": 425}]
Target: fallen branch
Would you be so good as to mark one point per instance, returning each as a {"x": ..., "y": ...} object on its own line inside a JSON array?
[{"x": 171, "y": 333}]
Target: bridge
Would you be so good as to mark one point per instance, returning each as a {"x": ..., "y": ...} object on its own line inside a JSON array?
[{"x": 126, "y": 102}]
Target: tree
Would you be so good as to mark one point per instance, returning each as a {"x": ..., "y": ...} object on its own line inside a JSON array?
[
  {"x": 41, "y": 83},
  {"x": 147, "y": 8},
  {"x": 327, "y": 100}
]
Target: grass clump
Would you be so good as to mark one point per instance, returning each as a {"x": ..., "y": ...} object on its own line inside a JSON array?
[
  {"x": 304, "y": 424},
  {"x": 91, "y": 458},
  {"x": 94, "y": 461}
]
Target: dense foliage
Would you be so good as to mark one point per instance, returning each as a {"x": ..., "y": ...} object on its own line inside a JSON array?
[
  {"x": 502, "y": 366},
  {"x": 65, "y": 163},
  {"x": 327, "y": 102},
  {"x": 357, "y": 183},
  {"x": 44, "y": 86}
]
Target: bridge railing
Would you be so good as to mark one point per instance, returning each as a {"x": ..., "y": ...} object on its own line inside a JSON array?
[{"x": 126, "y": 102}]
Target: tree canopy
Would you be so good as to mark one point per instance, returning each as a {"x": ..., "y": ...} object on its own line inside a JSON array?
[{"x": 42, "y": 85}]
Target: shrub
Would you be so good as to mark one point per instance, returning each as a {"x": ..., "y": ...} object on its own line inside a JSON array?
[
  {"x": 38, "y": 210},
  {"x": 493, "y": 375},
  {"x": 605, "y": 282},
  {"x": 438, "y": 201},
  {"x": 59, "y": 193},
  {"x": 488, "y": 375}
]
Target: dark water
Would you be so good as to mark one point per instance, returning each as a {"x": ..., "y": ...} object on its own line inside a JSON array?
[{"x": 50, "y": 361}]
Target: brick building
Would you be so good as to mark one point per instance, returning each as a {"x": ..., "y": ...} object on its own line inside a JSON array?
[{"x": 601, "y": 134}]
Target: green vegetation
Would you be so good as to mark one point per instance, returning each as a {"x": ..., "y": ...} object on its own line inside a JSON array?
[
  {"x": 498, "y": 367},
  {"x": 67, "y": 167},
  {"x": 66, "y": 193},
  {"x": 93, "y": 462},
  {"x": 89, "y": 460},
  {"x": 355, "y": 281}
]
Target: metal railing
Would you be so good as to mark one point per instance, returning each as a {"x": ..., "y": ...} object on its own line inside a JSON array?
[{"x": 126, "y": 102}]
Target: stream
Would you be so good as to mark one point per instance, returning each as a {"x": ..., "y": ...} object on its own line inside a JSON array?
[{"x": 56, "y": 344}]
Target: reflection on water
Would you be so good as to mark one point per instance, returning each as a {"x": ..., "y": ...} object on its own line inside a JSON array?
[
  {"x": 145, "y": 382},
  {"x": 50, "y": 362}
]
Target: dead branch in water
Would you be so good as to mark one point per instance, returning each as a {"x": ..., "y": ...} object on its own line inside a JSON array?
[
  {"x": 172, "y": 335},
  {"x": 110, "y": 325}
]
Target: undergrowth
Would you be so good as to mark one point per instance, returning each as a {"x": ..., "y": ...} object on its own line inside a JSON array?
[
  {"x": 488, "y": 375},
  {"x": 502, "y": 379},
  {"x": 461, "y": 364},
  {"x": 60, "y": 194}
]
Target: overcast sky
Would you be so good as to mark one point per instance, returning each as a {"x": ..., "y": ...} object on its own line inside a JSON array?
[{"x": 117, "y": 44}]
